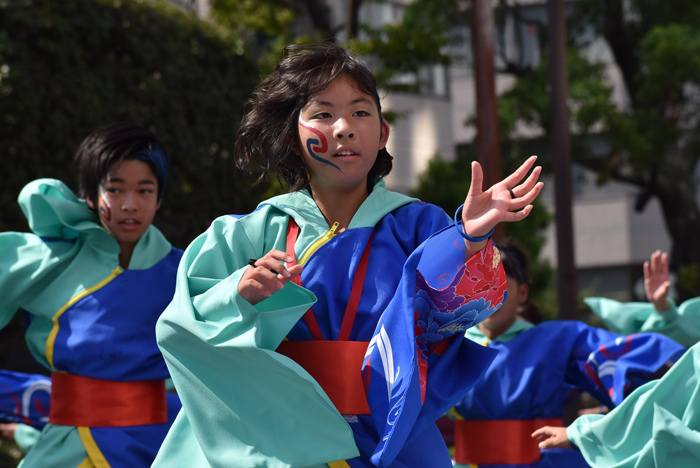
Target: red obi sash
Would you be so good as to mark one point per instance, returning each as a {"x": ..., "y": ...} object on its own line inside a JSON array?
[
  {"x": 86, "y": 402},
  {"x": 335, "y": 364},
  {"x": 505, "y": 442}
]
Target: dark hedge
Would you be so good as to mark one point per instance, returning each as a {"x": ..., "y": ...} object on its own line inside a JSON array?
[{"x": 68, "y": 67}]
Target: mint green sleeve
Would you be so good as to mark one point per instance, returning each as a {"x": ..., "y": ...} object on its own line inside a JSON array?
[
  {"x": 27, "y": 261},
  {"x": 243, "y": 404},
  {"x": 655, "y": 426},
  {"x": 681, "y": 324},
  {"x": 26, "y": 437}
]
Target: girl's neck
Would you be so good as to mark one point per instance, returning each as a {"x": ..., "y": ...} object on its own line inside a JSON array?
[{"x": 339, "y": 206}]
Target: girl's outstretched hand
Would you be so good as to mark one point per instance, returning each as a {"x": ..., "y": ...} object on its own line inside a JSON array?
[
  {"x": 266, "y": 276},
  {"x": 656, "y": 281},
  {"x": 506, "y": 201},
  {"x": 552, "y": 437}
]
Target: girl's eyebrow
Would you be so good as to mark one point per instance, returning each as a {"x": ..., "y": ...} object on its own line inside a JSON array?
[{"x": 359, "y": 100}]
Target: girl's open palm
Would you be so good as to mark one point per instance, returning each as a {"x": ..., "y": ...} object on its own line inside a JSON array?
[{"x": 506, "y": 201}]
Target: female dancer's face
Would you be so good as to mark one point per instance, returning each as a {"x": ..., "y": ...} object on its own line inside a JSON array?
[{"x": 341, "y": 132}]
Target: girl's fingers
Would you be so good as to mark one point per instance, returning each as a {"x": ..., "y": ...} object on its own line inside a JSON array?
[
  {"x": 476, "y": 187},
  {"x": 274, "y": 267},
  {"x": 526, "y": 199},
  {"x": 277, "y": 255},
  {"x": 295, "y": 271},
  {"x": 513, "y": 216},
  {"x": 268, "y": 279},
  {"x": 520, "y": 172},
  {"x": 529, "y": 183}
]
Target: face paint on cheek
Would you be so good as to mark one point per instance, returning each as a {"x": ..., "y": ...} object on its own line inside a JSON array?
[
  {"x": 105, "y": 208},
  {"x": 312, "y": 141}
]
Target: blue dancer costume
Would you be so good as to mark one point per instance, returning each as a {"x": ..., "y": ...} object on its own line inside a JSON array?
[
  {"x": 246, "y": 405},
  {"x": 93, "y": 325},
  {"x": 24, "y": 398},
  {"x": 535, "y": 371}
]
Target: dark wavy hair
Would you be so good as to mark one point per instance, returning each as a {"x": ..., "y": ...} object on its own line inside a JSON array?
[
  {"x": 268, "y": 135},
  {"x": 98, "y": 154}
]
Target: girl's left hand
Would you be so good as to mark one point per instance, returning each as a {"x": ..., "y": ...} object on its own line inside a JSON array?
[{"x": 505, "y": 201}]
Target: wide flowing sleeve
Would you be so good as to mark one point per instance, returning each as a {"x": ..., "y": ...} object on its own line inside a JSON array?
[
  {"x": 243, "y": 404},
  {"x": 681, "y": 324},
  {"x": 418, "y": 363},
  {"x": 611, "y": 366},
  {"x": 24, "y": 398},
  {"x": 655, "y": 426},
  {"x": 31, "y": 261}
]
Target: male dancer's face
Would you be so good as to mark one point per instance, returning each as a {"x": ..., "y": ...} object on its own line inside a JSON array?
[{"x": 128, "y": 201}]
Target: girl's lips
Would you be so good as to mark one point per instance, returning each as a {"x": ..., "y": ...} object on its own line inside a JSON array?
[{"x": 348, "y": 154}]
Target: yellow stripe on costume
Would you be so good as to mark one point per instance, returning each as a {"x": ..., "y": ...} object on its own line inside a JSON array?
[
  {"x": 54, "y": 331},
  {"x": 86, "y": 464},
  {"x": 455, "y": 415},
  {"x": 94, "y": 453},
  {"x": 339, "y": 464}
]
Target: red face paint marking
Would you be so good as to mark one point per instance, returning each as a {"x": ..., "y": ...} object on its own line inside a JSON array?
[{"x": 322, "y": 138}]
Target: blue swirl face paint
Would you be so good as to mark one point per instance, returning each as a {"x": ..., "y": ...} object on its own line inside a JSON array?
[{"x": 311, "y": 142}]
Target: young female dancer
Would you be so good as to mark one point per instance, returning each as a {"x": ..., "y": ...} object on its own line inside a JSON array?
[
  {"x": 93, "y": 277},
  {"x": 327, "y": 326},
  {"x": 534, "y": 374}
]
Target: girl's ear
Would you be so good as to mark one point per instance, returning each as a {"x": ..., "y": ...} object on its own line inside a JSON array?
[
  {"x": 90, "y": 204},
  {"x": 384, "y": 134}
]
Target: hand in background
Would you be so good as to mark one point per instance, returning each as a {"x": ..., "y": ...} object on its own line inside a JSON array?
[
  {"x": 8, "y": 430},
  {"x": 656, "y": 282},
  {"x": 552, "y": 437}
]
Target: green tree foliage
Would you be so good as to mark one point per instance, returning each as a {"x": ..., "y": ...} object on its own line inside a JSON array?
[
  {"x": 655, "y": 141},
  {"x": 69, "y": 67},
  {"x": 417, "y": 41}
]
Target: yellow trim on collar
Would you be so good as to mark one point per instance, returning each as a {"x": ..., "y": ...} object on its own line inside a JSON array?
[
  {"x": 94, "y": 453},
  {"x": 318, "y": 243},
  {"x": 50, "y": 342}
]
